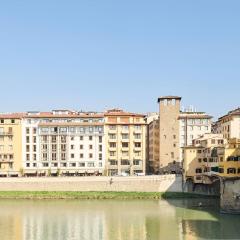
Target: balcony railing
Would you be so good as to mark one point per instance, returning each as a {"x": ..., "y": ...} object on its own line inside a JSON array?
[{"x": 6, "y": 133}]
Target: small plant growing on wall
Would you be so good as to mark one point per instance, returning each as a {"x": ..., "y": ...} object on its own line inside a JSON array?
[
  {"x": 21, "y": 172},
  {"x": 58, "y": 172}
]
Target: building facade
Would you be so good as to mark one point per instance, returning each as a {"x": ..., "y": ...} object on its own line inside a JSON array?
[
  {"x": 229, "y": 125},
  {"x": 10, "y": 145},
  {"x": 203, "y": 157},
  {"x": 153, "y": 147},
  {"x": 63, "y": 142},
  {"x": 125, "y": 140},
  {"x": 169, "y": 145}
]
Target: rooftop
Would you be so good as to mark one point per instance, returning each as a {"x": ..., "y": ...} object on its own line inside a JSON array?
[{"x": 169, "y": 97}]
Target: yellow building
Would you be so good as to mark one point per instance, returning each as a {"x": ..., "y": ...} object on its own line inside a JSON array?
[
  {"x": 203, "y": 157},
  {"x": 10, "y": 144},
  {"x": 125, "y": 136},
  {"x": 230, "y": 167}
]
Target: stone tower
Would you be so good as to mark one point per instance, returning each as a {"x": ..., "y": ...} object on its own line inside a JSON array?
[{"x": 169, "y": 148}]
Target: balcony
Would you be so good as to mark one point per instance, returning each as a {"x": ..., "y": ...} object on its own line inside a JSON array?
[
  {"x": 112, "y": 140},
  {"x": 125, "y": 157},
  {"x": 113, "y": 157},
  {"x": 138, "y": 131},
  {"x": 6, "y": 160},
  {"x": 6, "y": 133},
  {"x": 112, "y": 131},
  {"x": 138, "y": 149},
  {"x": 125, "y": 140}
]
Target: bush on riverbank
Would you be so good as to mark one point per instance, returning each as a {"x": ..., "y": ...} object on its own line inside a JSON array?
[{"x": 97, "y": 195}]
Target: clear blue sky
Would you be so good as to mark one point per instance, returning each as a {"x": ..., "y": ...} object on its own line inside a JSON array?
[{"x": 97, "y": 54}]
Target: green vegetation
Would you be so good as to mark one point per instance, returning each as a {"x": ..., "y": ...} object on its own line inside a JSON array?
[{"x": 96, "y": 195}]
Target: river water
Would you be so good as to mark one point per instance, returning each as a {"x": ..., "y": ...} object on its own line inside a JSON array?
[{"x": 115, "y": 220}]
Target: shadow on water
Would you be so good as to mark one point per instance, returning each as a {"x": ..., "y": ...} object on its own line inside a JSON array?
[{"x": 201, "y": 218}]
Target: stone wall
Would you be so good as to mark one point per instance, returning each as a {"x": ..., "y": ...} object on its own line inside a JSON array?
[
  {"x": 230, "y": 196},
  {"x": 166, "y": 183}
]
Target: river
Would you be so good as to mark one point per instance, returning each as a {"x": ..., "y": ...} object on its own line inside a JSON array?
[{"x": 115, "y": 220}]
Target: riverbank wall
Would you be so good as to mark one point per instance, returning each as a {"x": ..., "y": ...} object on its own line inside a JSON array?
[
  {"x": 164, "y": 183},
  {"x": 230, "y": 195}
]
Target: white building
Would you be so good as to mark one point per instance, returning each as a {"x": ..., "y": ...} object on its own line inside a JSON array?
[
  {"x": 229, "y": 124},
  {"x": 193, "y": 125},
  {"x": 63, "y": 142}
]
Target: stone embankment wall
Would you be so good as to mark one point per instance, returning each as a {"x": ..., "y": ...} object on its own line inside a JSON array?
[
  {"x": 230, "y": 196},
  {"x": 165, "y": 183}
]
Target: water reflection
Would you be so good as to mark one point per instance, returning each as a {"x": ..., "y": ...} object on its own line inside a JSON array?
[{"x": 114, "y": 220}]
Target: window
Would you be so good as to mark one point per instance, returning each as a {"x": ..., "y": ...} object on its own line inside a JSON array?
[
  {"x": 54, "y": 156},
  {"x": 112, "y": 153},
  {"x": 54, "y": 139},
  {"x": 125, "y": 136},
  {"x": 125, "y": 145},
  {"x": 63, "y": 165},
  {"x": 112, "y": 145},
  {"x": 44, "y": 156},
  {"x": 137, "y": 145},
  {"x": 72, "y": 155},
  {"x": 81, "y": 138},
  {"x": 63, "y": 156},
  {"x": 72, "y": 147},
  {"x": 231, "y": 171},
  {"x": 199, "y": 151},
  {"x": 174, "y": 136},
  {"x": 90, "y": 155},
  {"x": 100, "y": 156},
  {"x": 45, "y": 164},
  {"x": 63, "y": 139},
  {"x": 27, "y": 139},
  {"x": 112, "y": 136},
  {"x": 112, "y": 127},
  {"x": 28, "y": 157},
  {"x": 34, "y": 148},
  {"x": 63, "y": 147},
  {"x": 34, "y": 130},
  {"x": 100, "y": 139},
  {"x": 137, "y": 127},
  {"x": 27, "y": 148},
  {"x": 125, "y": 128},
  {"x": 72, "y": 138},
  {"x": 2, "y": 120},
  {"x": 198, "y": 170},
  {"x": 81, "y": 164},
  {"x": 199, "y": 160},
  {"x": 72, "y": 165},
  {"x": 90, "y": 164},
  {"x": 90, "y": 147},
  {"x": 81, "y": 155},
  {"x": 27, "y": 130},
  {"x": 100, "y": 148},
  {"x": 81, "y": 147},
  {"x": 137, "y": 136},
  {"x": 136, "y": 162},
  {"x": 172, "y": 154},
  {"x": 90, "y": 138}
]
